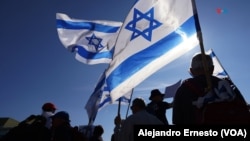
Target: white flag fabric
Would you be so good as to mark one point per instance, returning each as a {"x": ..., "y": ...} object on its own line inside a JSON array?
[
  {"x": 219, "y": 71},
  {"x": 106, "y": 99},
  {"x": 154, "y": 33},
  {"x": 171, "y": 89},
  {"x": 93, "y": 41},
  {"x": 94, "y": 100},
  {"x": 101, "y": 98}
]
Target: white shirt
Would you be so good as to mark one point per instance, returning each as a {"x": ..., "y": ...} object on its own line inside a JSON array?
[{"x": 48, "y": 115}]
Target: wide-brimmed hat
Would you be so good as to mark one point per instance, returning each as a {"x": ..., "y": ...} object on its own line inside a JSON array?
[{"x": 154, "y": 93}]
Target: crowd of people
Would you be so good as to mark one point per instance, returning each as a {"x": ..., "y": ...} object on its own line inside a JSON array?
[
  {"x": 191, "y": 96},
  {"x": 50, "y": 126},
  {"x": 200, "y": 100}
]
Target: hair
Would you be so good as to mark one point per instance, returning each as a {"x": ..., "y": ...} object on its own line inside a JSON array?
[
  {"x": 98, "y": 130},
  {"x": 197, "y": 62},
  {"x": 139, "y": 102}
]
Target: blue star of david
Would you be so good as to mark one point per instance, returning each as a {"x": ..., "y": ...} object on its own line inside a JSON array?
[
  {"x": 96, "y": 42},
  {"x": 147, "y": 32}
]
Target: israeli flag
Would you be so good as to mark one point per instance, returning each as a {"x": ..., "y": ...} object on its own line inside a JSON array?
[
  {"x": 106, "y": 99},
  {"x": 154, "y": 33},
  {"x": 100, "y": 98},
  {"x": 93, "y": 41},
  {"x": 92, "y": 105},
  {"x": 219, "y": 71}
]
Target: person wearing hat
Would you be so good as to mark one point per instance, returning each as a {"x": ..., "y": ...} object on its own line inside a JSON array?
[
  {"x": 61, "y": 129},
  {"x": 157, "y": 106},
  {"x": 48, "y": 110}
]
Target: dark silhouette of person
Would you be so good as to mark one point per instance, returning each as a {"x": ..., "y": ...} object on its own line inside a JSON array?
[{"x": 157, "y": 106}]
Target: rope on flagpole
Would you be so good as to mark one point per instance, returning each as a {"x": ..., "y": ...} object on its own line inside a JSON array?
[{"x": 199, "y": 36}]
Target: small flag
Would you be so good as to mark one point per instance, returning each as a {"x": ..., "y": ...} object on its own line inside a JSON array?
[
  {"x": 154, "y": 33},
  {"x": 219, "y": 71},
  {"x": 171, "y": 89},
  {"x": 93, "y": 41}
]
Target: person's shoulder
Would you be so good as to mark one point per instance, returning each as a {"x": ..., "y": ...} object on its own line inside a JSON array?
[
  {"x": 216, "y": 78},
  {"x": 137, "y": 115},
  {"x": 152, "y": 103},
  {"x": 186, "y": 82}
]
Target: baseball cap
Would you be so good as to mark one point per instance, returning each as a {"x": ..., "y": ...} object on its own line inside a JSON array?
[{"x": 48, "y": 106}]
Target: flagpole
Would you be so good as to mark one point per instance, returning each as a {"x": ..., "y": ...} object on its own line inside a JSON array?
[
  {"x": 129, "y": 102},
  {"x": 199, "y": 35},
  {"x": 119, "y": 107}
]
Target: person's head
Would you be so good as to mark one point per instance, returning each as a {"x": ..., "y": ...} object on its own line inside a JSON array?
[
  {"x": 138, "y": 104},
  {"x": 49, "y": 107},
  {"x": 156, "y": 95},
  {"x": 98, "y": 130},
  {"x": 197, "y": 67},
  {"x": 60, "y": 118}
]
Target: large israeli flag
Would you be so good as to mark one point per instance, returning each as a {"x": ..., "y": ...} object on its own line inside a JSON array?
[
  {"x": 219, "y": 71},
  {"x": 93, "y": 41},
  {"x": 154, "y": 33}
]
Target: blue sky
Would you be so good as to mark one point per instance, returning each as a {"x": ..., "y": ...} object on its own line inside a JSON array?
[{"x": 35, "y": 67}]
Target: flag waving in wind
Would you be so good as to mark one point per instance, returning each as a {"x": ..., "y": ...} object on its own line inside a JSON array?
[
  {"x": 154, "y": 33},
  {"x": 93, "y": 41},
  {"x": 101, "y": 98},
  {"x": 219, "y": 71}
]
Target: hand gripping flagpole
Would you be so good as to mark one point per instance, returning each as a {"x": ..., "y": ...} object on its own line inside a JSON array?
[{"x": 199, "y": 36}]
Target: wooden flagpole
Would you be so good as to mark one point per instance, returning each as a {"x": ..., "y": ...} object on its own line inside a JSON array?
[
  {"x": 129, "y": 102},
  {"x": 119, "y": 107},
  {"x": 199, "y": 36}
]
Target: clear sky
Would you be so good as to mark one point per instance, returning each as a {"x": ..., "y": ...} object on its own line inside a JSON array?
[{"x": 35, "y": 67}]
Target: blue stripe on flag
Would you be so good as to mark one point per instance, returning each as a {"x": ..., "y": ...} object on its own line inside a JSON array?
[
  {"x": 104, "y": 102},
  {"x": 212, "y": 54},
  {"x": 93, "y": 55},
  {"x": 108, "y": 101},
  {"x": 86, "y": 25},
  {"x": 150, "y": 54},
  {"x": 223, "y": 73}
]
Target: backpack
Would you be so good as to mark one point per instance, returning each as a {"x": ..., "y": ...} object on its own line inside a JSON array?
[{"x": 223, "y": 104}]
